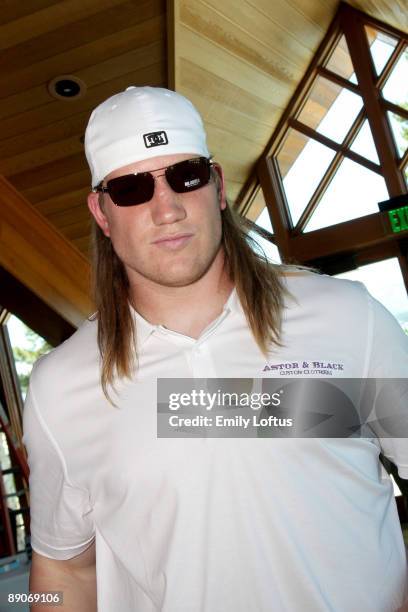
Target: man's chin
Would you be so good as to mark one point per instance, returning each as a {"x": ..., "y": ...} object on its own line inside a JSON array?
[
  {"x": 182, "y": 278},
  {"x": 179, "y": 280}
]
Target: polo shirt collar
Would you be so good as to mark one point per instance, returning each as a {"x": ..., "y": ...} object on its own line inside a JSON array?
[{"x": 144, "y": 329}]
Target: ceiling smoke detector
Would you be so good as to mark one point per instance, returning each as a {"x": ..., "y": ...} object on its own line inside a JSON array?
[{"x": 66, "y": 87}]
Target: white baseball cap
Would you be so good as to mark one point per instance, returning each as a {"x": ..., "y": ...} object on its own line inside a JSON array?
[{"x": 140, "y": 123}]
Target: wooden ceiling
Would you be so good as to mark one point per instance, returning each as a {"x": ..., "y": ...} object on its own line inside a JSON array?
[
  {"x": 238, "y": 60},
  {"x": 108, "y": 44}
]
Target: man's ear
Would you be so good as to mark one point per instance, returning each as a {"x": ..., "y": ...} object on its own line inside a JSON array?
[
  {"x": 220, "y": 184},
  {"x": 97, "y": 212}
]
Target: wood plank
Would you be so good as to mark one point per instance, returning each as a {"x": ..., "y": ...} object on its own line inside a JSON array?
[
  {"x": 56, "y": 110},
  {"x": 47, "y": 172},
  {"x": 75, "y": 214},
  {"x": 63, "y": 202},
  {"x": 248, "y": 129},
  {"x": 83, "y": 245},
  {"x": 233, "y": 189},
  {"x": 75, "y": 230},
  {"x": 393, "y": 12},
  {"x": 42, "y": 155},
  {"x": 225, "y": 144},
  {"x": 320, "y": 12},
  {"x": 171, "y": 45},
  {"x": 82, "y": 56},
  {"x": 276, "y": 25},
  {"x": 37, "y": 255},
  {"x": 60, "y": 185},
  {"x": 212, "y": 94},
  {"x": 138, "y": 59},
  {"x": 34, "y": 139},
  {"x": 53, "y": 18},
  {"x": 76, "y": 34},
  {"x": 12, "y": 10},
  {"x": 30, "y": 99},
  {"x": 294, "y": 22},
  {"x": 234, "y": 170},
  {"x": 261, "y": 48},
  {"x": 231, "y": 68}
]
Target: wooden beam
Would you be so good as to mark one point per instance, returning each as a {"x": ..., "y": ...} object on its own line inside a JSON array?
[
  {"x": 358, "y": 233},
  {"x": 357, "y": 42},
  {"x": 29, "y": 308},
  {"x": 33, "y": 251},
  {"x": 276, "y": 204},
  {"x": 171, "y": 45}
]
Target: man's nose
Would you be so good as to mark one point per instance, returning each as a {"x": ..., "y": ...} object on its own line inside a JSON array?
[{"x": 166, "y": 205}]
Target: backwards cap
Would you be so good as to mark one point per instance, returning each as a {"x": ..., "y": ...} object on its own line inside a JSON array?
[{"x": 140, "y": 123}]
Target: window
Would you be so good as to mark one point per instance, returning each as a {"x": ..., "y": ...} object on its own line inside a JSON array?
[
  {"x": 340, "y": 61},
  {"x": 27, "y": 348},
  {"x": 267, "y": 247},
  {"x": 20, "y": 347},
  {"x": 302, "y": 162},
  {"x": 364, "y": 144},
  {"x": 259, "y": 215},
  {"x": 330, "y": 109},
  {"x": 381, "y": 45},
  {"x": 328, "y": 164},
  {"x": 384, "y": 281},
  {"x": 353, "y": 192},
  {"x": 340, "y": 148},
  {"x": 395, "y": 89}
]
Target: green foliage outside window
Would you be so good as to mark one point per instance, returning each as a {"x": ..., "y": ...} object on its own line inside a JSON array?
[{"x": 35, "y": 346}]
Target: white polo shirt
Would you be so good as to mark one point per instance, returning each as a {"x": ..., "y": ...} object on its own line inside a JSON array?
[{"x": 214, "y": 524}]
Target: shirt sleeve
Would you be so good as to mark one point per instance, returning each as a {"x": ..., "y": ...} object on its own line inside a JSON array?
[
  {"x": 61, "y": 513},
  {"x": 388, "y": 359}
]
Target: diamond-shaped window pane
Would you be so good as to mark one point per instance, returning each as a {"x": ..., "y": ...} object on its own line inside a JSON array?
[
  {"x": 264, "y": 220},
  {"x": 302, "y": 163},
  {"x": 381, "y": 47},
  {"x": 330, "y": 109},
  {"x": 354, "y": 192},
  {"x": 340, "y": 61},
  {"x": 364, "y": 144},
  {"x": 257, "y": 205},
  {"x": 399, "y": 127},
  {"x": 396, "y": 87}
]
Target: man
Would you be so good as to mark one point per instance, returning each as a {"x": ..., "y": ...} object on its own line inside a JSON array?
[{"x": 203, "y": 524}]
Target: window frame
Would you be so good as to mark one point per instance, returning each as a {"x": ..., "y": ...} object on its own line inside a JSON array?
[{"x": 356, "y": 239}]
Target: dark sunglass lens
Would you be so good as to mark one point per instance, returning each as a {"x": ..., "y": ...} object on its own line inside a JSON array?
[
  {"x": 188, "y": 175},
  {"x": 131, "y": 189}
]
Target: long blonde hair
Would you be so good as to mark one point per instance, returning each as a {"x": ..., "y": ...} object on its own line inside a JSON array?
[{"x": 258, "y": 283}]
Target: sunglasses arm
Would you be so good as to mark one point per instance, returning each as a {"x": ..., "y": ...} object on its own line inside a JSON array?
[{"x": 99, "y": 189}]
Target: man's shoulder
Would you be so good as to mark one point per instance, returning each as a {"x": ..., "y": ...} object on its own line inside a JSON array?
[
  {"x": 75, "y": 355},
  {"x": 306, "y": 284}
]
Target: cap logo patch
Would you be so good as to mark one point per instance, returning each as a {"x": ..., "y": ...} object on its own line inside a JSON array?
[{"x": 155, "y": 139}]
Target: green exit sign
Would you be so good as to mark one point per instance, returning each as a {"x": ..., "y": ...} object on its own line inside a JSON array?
[
  {"x": 398, "y": 219},
  {"x": 395, "y": 214}
]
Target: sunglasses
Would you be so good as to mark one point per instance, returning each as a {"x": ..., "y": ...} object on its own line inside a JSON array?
[{"x": 138, "y": 188}]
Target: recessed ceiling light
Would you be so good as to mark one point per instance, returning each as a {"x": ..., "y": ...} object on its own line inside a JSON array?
[{"x": 66, "y": 87}]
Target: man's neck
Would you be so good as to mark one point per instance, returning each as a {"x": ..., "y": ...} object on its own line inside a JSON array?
[{"x": 186, "y": 310}]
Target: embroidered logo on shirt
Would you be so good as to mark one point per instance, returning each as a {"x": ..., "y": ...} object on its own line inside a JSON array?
[{"x": 299, "y": 368}]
